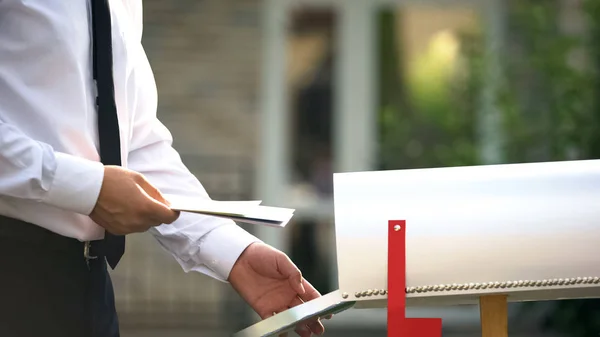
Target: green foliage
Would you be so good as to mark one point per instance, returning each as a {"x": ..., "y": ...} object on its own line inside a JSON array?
[
  {"x": 548, "y": 97},
  {"x": 423, "y": 119},
  {"x": 577, "y": 113},
  {"x": 550, "y": 107},
  {"x": 592, "y": 10}
]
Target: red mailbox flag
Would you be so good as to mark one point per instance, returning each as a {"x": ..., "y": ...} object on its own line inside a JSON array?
[{"x": 397, "y": 323}]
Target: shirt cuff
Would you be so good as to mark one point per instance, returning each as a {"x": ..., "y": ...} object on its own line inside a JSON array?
[
  {"x": 76, "y": 184},
  {"x": 221, "y": 248}
]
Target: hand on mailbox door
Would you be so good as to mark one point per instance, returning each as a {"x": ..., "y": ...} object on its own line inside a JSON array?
[{"x": 270, "y": 283}]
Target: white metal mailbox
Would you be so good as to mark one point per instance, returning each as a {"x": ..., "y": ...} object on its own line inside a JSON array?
[{"x": 529, "y": 231}]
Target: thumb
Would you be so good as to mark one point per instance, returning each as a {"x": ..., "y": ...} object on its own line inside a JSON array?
[
  {"x": 289, "y": 270},
  {"x": 160, "y": 207},
  {"x": 152, "y": 191},
  {"x": 159, "y": 211}
]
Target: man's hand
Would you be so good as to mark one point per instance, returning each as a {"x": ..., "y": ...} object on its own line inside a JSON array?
[
  {"x": 128, "y": 203},
  {"x": 270, "y": 283}
]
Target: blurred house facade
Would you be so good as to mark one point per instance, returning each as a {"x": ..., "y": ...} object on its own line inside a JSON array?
[
  {"x": 266, "y": 99},
  {"x": 205, "y": 57}
]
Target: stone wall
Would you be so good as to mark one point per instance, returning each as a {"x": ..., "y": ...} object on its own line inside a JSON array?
[{"x": 205, "y": 56}]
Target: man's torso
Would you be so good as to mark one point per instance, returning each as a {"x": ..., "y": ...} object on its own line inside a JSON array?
[{"x": 48, "y": 93}]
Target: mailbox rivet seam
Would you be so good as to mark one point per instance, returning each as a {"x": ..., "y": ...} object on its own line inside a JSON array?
[{"x": 486, "y": 285}]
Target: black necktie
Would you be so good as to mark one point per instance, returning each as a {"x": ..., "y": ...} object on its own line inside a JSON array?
[{"x": 108, "y": 124}]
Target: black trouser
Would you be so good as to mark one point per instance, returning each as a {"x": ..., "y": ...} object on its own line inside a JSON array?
[{"x": 47, "y": 288}]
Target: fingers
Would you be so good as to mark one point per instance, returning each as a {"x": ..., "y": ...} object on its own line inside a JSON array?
[
  {"x": 152, "y": 191},
  {"x": 163, "y": 213},
  {"x": 310, "y": 292},
  {"x": 305, "y": 291},
  {"x": 285, "y": 334},
  {"x": 303, "y": 331},
  {"x": 316, "y": 327},
  {"x": 289, "y": 270},
  {"x": 158, "y": 205},
  {"x": 128, "y": 203},
  {"x": 306, "y": 330},
  {"x": 265, "y": 315}
]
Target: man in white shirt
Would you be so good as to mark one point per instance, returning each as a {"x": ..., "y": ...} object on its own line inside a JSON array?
[{"x": 65, "y": 207}]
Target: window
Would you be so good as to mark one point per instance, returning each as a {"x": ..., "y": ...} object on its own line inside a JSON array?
[{"x": 310, "y": 67}]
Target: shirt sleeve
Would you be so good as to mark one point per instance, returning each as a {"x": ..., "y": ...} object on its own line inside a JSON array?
[
  {"x": 199, "y": 243},
  {"x": 135, "y": 11},
  {"x": 32, "y": 170}
]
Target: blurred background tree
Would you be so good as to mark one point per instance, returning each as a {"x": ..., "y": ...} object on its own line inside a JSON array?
[
  {"x": 548, "y": 98},
  {"x": 425, "y": 121},
  {"x": 551, "y": 108}
]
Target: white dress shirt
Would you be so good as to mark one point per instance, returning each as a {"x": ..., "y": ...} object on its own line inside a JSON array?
[{"x": 50, "y": 173}]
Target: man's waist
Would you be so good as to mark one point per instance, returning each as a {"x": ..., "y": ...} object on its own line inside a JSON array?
[
  {"x": 58, "y": 221},
  {"x": 40, "y": 238}
]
